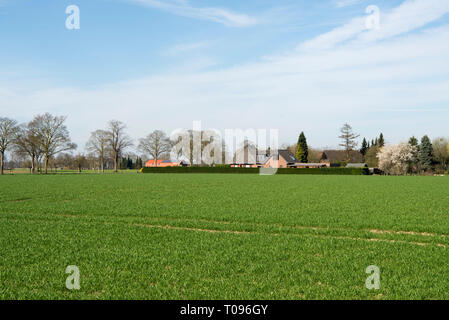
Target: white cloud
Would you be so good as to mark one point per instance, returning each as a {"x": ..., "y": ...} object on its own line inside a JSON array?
[
  {"x": 219, "y": 15},
  {"x": 313, "y": 91},
  {"x": 182, "y": 48},
  {"x": 336, "y": 36},
  {"x": 387, "y": 86},
  {"x": 410, "y": 15},
  {"x": 346, "y": 3}
]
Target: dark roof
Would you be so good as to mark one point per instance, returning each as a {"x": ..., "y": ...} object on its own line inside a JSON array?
[
  {"x": 288, "y": 156},
  {"x": 340, "y": 155},
  {"x": 263, "y": 156}
]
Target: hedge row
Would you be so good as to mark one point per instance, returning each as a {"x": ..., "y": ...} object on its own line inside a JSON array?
[{"x": 326, "y": 171}]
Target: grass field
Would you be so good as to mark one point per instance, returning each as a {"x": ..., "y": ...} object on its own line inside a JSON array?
[{"x": 180, "y": 236}]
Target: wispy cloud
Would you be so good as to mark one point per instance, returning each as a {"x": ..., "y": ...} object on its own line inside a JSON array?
[
  {"x": 336, "y": 36},
  {"x": 182, "y": 48},
  {"x": 390, "y": 85},
  {"x": 325, "y": 88},
  {"x": 346, "y": 3},
  {"x": 183, "y": 8},
  {"x": 409, "y": 16}
]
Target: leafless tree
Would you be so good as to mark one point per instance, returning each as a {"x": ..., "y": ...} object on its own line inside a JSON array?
[
  {"x": 348, "y": 138},
  {"x": 79, "y": 162},
  {"x": 440, "y": 151},
  {"x": 197, "y": 146},
  {"x": 118, "y": 140},
  {"x": 53, "y": 134},
  {"x": 98, "y": 145},
  {"x": 8, "y": 131},
  {"x": 64, "y": 160},
  {"x": 156, "y": 144},
  {"x": 27, "y": 143}
]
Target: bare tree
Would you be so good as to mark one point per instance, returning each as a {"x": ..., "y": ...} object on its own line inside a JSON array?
[
  {"x": 118, "y": 140},
  {"x": 348, "y": 138},
  {"x": 440, "y": 151},
  {"x": 155, "y": 144},
  {"x": 98, "y": 145},
  {"x": 197, "y": 146},
  {"x": 53, "y": 134},
  {"x": 27, "y": 143},
  {"x": 8, "y": 131},
  {"x": 79, "y": 162},
  {"x": 64, "y": 160}
]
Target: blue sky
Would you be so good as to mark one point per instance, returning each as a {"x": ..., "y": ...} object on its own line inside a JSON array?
[{"x": 290, "y": 65}]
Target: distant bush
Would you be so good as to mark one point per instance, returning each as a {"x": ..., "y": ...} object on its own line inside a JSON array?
[
  {"x": 221, "y": 166},
  {"x": 320, "y": 171}
]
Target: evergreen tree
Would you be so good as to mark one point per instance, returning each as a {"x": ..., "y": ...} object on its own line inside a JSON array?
[
  {"x": 381, "y": 141},
  {"x": 123, "y": 163},
  {"x": 415, "y": 162},
  {"x": 138, "y": 163},
  {"x": 376, "y": 142},
  {"x": 413, "y": 142},
  {"x": 425, "y": 153},
  {"x": 364, "y": 147},
  {"x": 302, "y": 150}
]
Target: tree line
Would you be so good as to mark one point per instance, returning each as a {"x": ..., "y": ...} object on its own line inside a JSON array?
[
  {"x": 412, "y": 157},
  {"x": 45, "y": 142},
  {"x": 40, "y": 139}
]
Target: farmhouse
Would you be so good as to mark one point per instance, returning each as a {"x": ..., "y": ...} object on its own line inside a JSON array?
[
  {"x": 284, "y": 159},
  {"x": 251, "y": 157},
  {"x": 165, "y": 163},
  {"x": 334, "y": 158}
]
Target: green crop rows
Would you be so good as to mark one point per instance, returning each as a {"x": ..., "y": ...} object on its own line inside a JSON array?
[{"x": 222, "y": 236}]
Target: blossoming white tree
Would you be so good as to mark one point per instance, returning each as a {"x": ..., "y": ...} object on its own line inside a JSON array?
[{"x": 396, "y": 159}]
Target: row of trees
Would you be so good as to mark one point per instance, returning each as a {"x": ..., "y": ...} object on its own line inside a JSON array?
[
  {"x": 46, "y": 141},
  {"x": 415, "y": 157},
  {"x": 348, "y": 141},
  {"x": 404, "y": 158},
  {"x": 42, "y": 138}
]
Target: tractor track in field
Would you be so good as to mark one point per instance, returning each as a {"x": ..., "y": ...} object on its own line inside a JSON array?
[
  {"x": 169, "y": 227},
  {"x": 277, "y": 225},
  {"x": 312, "y": 228}
]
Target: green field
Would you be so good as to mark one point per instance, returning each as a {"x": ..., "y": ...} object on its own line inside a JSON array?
[{"x": 223, "y": 236}]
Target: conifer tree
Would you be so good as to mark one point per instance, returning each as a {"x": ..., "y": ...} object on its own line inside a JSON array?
[
  {"x": 425, "y": 153},
  {"x": 381, "y": 141},
  {"x": 414, "y": 164},
  {"x": 364, "y": 147},
  {"x": 302, "y": 150},
  {"x": 413, "y": 142}
]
